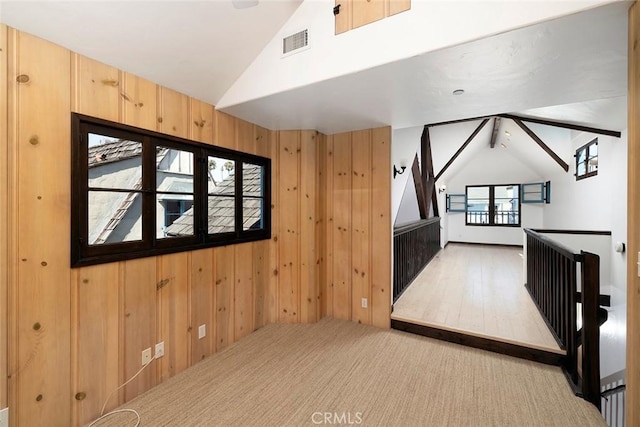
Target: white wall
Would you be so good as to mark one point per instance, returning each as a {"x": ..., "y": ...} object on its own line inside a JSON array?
[
  {"x": 428, "y": 26},
  {"x": 493, "y": 166},
  {"x": 595, "y": 203},
  {"x": 405, "y": 143},
  {"x": 599, "y": 203}
]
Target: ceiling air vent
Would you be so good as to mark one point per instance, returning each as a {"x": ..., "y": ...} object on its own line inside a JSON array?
[{"x": 295, "y": 42}]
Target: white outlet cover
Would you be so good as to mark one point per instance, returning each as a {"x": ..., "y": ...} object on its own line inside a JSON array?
[
  {"x": 202, "y": 331},
  {"x": 146, "y": 356},
  {"x": 365, "y": 303},
  {"x": 160, "y": 349}
]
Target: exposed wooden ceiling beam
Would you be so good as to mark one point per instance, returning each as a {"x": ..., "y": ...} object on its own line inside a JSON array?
[
  {"x": 546, "y": 122},
  {"x": 607, "y": 132},
  {"x": 541, "y": 143},
  {"x": 451, "y": 122},
  {"x": 494, "y": 135},
  {"x": 467, "y": 142},
  {"x": 420, "y": 190},
  {"x": 428, "y": 174}
]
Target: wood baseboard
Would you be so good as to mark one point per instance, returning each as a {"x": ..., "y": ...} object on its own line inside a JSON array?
[
  {"x": 484, "y": 244},
  {"x": 522, "y": 352}
]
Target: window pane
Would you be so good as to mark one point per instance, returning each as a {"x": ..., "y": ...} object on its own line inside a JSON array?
[
  {"x": 582, "y": 155},
  {"x": 174, "y": 217},
  {"x": 221, "y": 212},
  {"x": 478, "y": 205},
  {"x": 114, "y": 163},
  {"x": 533, "y": 192},
  {"x": 506, "y": 204},
  {"x": 114, "y": 217},
  {"x": 252, "y": 180},
  {"x": 221, "y": 178},
  {"x": 252, "y": 214},
  {"x": 581, "y": 169},
  {"x": 592, "y": 162},
  {"x": 174, "y": 170}
]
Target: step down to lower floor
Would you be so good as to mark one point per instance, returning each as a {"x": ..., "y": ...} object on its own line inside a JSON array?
[{"x": 496, "y": 346}]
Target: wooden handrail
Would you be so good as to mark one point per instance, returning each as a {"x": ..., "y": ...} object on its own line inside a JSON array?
[
  {"x": 405, "y": 228},
  {"x": 558, "y": 247}
]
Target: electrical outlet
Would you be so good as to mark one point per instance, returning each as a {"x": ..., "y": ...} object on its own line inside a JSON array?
[
  {"x": 365, "y": 303},
  {"x": 202, "y": 331},
  {"x": 146, "y": 356},
  {"x": 159, "y": 349}
]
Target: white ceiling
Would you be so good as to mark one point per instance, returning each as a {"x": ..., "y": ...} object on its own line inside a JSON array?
[
  {"x": 195, "y": 47},
  {"x": 574, "y": 59},
  {"x": 572, "y": 68}
]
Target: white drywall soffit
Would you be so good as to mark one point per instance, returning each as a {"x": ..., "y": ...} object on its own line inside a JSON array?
[{"x": 401, "y": 71}]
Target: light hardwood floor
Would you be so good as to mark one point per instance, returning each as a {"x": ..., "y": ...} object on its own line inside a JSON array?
[{"x": 478, "y": 290}]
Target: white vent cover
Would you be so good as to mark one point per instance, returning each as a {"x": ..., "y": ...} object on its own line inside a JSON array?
[{"x": 295, "y": 42}]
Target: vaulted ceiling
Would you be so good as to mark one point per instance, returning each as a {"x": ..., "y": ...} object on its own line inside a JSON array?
[{"x": 572, "y": 68}]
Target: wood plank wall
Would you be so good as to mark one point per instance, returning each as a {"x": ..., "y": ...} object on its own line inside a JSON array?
[
  {"x": 69, "y": 337},
  {"x": 358, "y": 226},
  {"x": 632, "y": 407},
  {"x": 4, "y": 217},
  {"x": 356, "y": 13}
]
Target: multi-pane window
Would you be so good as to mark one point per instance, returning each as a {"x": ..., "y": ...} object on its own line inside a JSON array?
[
  {"x": 493, "y": 205},
  {"x": 587, "y": 160},
  {"x": 139, "y": 193}
]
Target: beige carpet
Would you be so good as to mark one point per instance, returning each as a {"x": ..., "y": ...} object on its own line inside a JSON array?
[{"x": 291, "y": 375}]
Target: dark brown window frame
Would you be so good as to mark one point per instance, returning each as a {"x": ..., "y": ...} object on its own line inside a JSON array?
[
  {"x": 585, "y": 148},
  {"x": 491, "y": 212},
  {"x": 84, "y": 254}
]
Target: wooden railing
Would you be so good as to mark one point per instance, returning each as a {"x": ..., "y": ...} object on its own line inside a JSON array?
[
  {"x": 613, "y": 395},
  {"x": 552, "y": 283},
  {"x": 414, "y": 245}
]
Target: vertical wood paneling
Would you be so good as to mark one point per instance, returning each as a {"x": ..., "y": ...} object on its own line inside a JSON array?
[
  {"x": 202, "y": 121},
  {"x": 96, "y": 88},
  {"x": 246, "y": 137},
  {"x": 274, "y": 264},
  {"x": 309, "y": 255},
  {"x": 173, "y": 281},
  {"x": 632, "y": 411},
  {"x": 140, "y": 102},
  {"x": 138, "y": 282},
  {"x": 117, "y": 309},
  {"x": 263, "y": 142},
  {"x": 225, "y": 130},
  {"x": 98, "y": 346},
  {"x": 397, "y": 6},
  {"x": 329, "y": 227},
  {"x": 381, "y": 227},
  {"x": 202, "y": 303},
  {"x": 360, "y": 220},
  {"x": 288, "y": 247},
  {"x": 173, "y": 112},
  {"x": 243, "y": 290},
  {"x": 343, "y": 19},
  {"x": 260, "y": 279},
  {"x": 39, "y": 76},
  {"x": 366, "y": 11},
  {"x": 342, "y": 292},
  {"x": 5, "y": 213},
  {"x": 356, "y": 13},
  {"x": 224, "y": 264}
]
